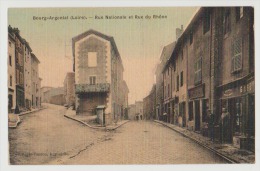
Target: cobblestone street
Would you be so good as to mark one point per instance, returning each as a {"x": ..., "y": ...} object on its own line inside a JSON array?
[
  {"x": 141, "y": 142},
  {"x": 47, "y": 135}
]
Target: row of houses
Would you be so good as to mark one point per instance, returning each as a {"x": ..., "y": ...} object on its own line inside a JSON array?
[
  {"x": 209, "y": 69},
  {"x": 24, "y": 82}
]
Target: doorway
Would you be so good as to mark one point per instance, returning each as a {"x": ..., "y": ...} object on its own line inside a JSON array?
[{"x": 197, "y": 115}]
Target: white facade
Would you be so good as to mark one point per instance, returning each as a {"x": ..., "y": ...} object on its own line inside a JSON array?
[{"x": 11, "y": 74}]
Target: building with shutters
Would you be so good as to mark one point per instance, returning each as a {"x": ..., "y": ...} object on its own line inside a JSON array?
[
  {"x": 214, "y": 62},
  {"x": 98, "y": 71}
]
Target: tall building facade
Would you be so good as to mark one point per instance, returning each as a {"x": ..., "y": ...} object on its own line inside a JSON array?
[
  {"x": 27, "y": 75},
  {"x": 98, "y": 71},
  {"x": 216, "y": 55},
  {"x": 11, "y": 74},
  {"x": 35, "y": 80}
]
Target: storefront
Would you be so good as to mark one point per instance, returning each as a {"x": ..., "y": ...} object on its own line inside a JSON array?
[
  {"x": 198, "y": 106},
  {"x": 238, "y": 99}
]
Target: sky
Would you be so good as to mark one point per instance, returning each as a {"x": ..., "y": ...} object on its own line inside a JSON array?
[{"x": 139, "y": 41}]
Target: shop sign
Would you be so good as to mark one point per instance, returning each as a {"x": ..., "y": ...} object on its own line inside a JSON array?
[
  {"x": 197, "y": 92},
  {"x": 228, "y": 92}
]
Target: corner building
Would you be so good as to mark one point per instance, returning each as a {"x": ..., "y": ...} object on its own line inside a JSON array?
[{"x": 98, "y": 75}]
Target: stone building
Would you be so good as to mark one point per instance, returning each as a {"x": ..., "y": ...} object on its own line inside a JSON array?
[
  {"x": 11, "y": 74},
  {"x": 55, "y": 96},
  {"x": 235, "y": 87},
  {"x": 165, "y": 55},
  {"x": 35, "y": 80},
  {"x": 216, "y": 54},
  {"x": 19, "y": 68},
  {"x": 98, "y": 71},
  {"x": 27, "y": 75},
  {"x": 69, "y": 88},
  {"x": 43, "y": 90}
]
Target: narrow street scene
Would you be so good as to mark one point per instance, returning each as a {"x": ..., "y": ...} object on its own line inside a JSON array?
[{"x": 160, "y": 85}]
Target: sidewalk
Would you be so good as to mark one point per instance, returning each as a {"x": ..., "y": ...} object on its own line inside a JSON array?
[
  {"x": 14, "y": 119},
  {"x": 90, "y": 121},
  {"x": 229, "y": 152}
]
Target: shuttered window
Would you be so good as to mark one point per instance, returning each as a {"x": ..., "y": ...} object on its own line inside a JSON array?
[
  {"x": 197, "y": 69},
  {"x": 236, "y": 64}
]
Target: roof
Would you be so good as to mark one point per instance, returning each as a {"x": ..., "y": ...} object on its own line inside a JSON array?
[
  {"x": 27, "y": 45},
  {"x": 187, "y": 31},
  {"x": 165, "y": 55},
  {"x": 91, "y": 31},
  {"x": 33, "y": 56}
]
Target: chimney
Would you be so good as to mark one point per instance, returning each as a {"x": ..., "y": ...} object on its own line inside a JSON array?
[{"x": 179, "y": 32}]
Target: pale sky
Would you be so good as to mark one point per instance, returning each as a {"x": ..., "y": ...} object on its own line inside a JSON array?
[{"x": 139, "y": 41}]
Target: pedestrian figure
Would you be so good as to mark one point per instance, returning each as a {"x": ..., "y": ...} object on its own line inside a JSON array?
[
  {"x": 211, "y": 121},
  {"x": 225, "y": 126}
]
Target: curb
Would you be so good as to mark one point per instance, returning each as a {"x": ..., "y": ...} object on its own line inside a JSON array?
[
  {"x": 83, "y": 123},
  {"x": 29, "y": 112},
  {"x": 118, "y": 125},
  {"x": 93, "y": 127},
  {"x": 230, "y": 160}
]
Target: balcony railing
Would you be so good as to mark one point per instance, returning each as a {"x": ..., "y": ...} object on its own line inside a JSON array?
[{"x": 92, "y": 88}]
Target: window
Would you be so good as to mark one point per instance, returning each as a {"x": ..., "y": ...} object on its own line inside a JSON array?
[
  {"x": 21, "y": 78},
  {"x": 181, "y": 78},
  {"x": 177, "y": 79},
  {"x": 236, "y": 63},
  {"x": 11, "y": 80},
  {"x": 197, "y": 69},
  {"x": 17, "y": 76},
  {"x": 191, "y": 37},
  {"x": 191, "y": 111},
  {"x": 10, "y": 60},
  {"x": 92, "y": 59},
  {"x": 239, "y": 13},
  {"x": 168, "y": 90},
  {"x": 226, "y": 21},
  {"x": 206, "y": 21},
  {"x": 92, "y": 80},
  {"x": 10, "y": 44}
]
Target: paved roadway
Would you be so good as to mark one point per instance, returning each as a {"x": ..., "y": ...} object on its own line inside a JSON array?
[
  {"x": 140, "y": 142},
  {"x": 46, "y": 137}
]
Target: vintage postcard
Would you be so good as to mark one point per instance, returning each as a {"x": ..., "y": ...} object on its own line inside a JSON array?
[{"x": 131, "y": 85}]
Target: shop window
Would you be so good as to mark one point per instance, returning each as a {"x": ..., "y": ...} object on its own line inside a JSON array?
[
  {"x": 236, "y": 50},
  {"x": 197, "y": 69},
  {"x": 206, "y": 21}
]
